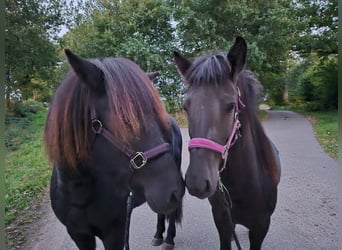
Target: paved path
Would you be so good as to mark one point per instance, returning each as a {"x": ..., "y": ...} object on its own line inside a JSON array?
[{"x": 305, "y": 217}]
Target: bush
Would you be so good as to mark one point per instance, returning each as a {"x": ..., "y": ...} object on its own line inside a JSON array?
[
  {"x": 312, "y": 106},
  {"x": 18, "y": 122},
  {"x": 26, "y": 108},
  {"x": 31, "y": 106},
  {"x": 316, "y": 84}
]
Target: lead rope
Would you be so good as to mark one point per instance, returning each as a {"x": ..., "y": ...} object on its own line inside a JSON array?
[
  {"x": 128, "y": 220},
  {"x": 224, "y": 190}
]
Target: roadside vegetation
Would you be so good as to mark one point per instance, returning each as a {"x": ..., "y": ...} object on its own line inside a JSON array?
[
  {"x": 26, "y": 170},
  {"x": 326, "y": 129}
]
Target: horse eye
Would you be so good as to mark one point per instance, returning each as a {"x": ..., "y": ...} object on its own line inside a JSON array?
[{"x": 230, "y": 107}]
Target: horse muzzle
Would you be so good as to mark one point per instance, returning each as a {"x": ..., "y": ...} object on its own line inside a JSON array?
[
  {"x": 166, "y": 202},
  {"x": 200, "y": 179}
]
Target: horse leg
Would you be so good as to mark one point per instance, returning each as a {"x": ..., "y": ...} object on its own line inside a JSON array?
[
  {"x": 158, "y": 236},
  {"x": 114, "y": 240},
  {"x": 171, "y": 233},
  {"x": 219, "y": 208},
  {"x": 257, "y": 233},
  {"x": 83, "y": 241}
]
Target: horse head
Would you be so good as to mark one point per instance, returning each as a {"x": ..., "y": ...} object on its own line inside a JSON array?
[
  {"x": 211, "y": 103},
  {"x": 114, "y": 125}
]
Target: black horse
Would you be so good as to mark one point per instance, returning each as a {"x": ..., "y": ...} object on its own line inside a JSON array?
[
  {"x": 232, "y": 161},
  {"x": 108, "y": 135}
]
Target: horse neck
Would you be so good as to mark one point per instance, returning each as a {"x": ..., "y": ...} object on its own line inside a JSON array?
[
  {"x": 244, "y": 154},
  {"x": 254, "y": 152}
]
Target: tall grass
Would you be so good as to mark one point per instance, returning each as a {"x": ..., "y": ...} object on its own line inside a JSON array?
[
  {"x": 325, "y": 125},
  {"x": 26, "y": 170}
]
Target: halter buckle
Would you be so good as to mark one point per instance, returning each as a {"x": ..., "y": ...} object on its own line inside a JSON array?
[{"x": 140, "y": 157}]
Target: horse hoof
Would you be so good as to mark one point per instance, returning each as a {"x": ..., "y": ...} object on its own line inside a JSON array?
[
  {"x": 167, "y": 246},
  {"x": 157, "y": 241}
]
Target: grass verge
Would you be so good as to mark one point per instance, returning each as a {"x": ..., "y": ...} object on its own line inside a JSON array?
[
  {"x": 325, "y": 125},
  {"x": 26, "y": 173}
]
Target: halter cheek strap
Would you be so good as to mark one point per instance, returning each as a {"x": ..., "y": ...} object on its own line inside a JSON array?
[{"x": 137, "y": 159}]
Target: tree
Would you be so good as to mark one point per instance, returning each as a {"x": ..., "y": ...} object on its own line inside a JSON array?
[
  {"x": 317, "y": 25},
  {"x": 30, "y": 37},
  {"x": 314, "y": 84},
  {"x": 211, "y": 25},
  {"x": 317, "y": 47},
  {"x": 139, "y": 30},
  {"x": 148, "y": 31}
]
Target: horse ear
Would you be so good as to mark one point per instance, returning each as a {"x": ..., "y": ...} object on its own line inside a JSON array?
[
  {"x": 153, "y": 75},
  {"x": 88, "y": 72},
  {"x": 237, "y": 56},
  {"x": 182, "y": 63}
]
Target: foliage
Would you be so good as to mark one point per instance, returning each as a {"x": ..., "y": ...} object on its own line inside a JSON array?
[
  {"x": 313, "y": 81},
  {"x": 317, "y": 25},
  {"x": 139, "y": 30},
  {"x": 212, "y": 25},
  {"x": 18, "y": 123},
  {"x": 147, "y": 31},
  {"x": 31, "y": 30},
  {"x": 26, "y": 171},
  {"x": 315, "y": 84}
]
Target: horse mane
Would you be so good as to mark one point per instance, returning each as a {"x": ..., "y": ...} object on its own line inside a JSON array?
[
  {"x": 251, "y": 94},
  {"x": 209, "y": 69},
  {"x": 133, "y": 103}
]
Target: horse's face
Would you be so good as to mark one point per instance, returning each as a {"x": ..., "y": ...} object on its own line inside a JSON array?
[
  {"x": 210, "y": 109},
  {"x": 159, "y": 181}
]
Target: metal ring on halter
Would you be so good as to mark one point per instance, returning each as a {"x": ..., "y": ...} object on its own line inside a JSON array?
[
  {"x": 225, "y": 153},
  {"x": 96, "y": 126},
  {"x": 236, "y": 116},
  {"x": 138, "y": 156}
]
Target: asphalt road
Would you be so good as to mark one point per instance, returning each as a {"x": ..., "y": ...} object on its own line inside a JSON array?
[{"x": 305, "y": 217}]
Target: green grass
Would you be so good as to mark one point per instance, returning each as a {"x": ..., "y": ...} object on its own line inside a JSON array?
[
  {"x": 325, "y": 125},
  {"x": 27, "y": 172}
]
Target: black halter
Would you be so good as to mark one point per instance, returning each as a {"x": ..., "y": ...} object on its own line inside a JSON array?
[{"x": 137, "y": 159}]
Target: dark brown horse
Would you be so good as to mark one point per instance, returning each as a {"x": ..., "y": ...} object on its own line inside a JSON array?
[
  {"x": 232, "y": 161},
  {"x": 108, "y": 135}
]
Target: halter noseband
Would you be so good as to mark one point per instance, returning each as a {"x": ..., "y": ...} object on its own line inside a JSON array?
[
  {"x": 214, "y": 146},
  {"x": 137, "y": 159}
]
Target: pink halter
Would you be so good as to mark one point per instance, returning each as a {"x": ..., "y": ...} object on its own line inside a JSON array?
[{"x": 211, "y": 145}]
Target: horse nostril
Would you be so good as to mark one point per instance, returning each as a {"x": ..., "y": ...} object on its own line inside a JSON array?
[{"x": 207, "y": 187}]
